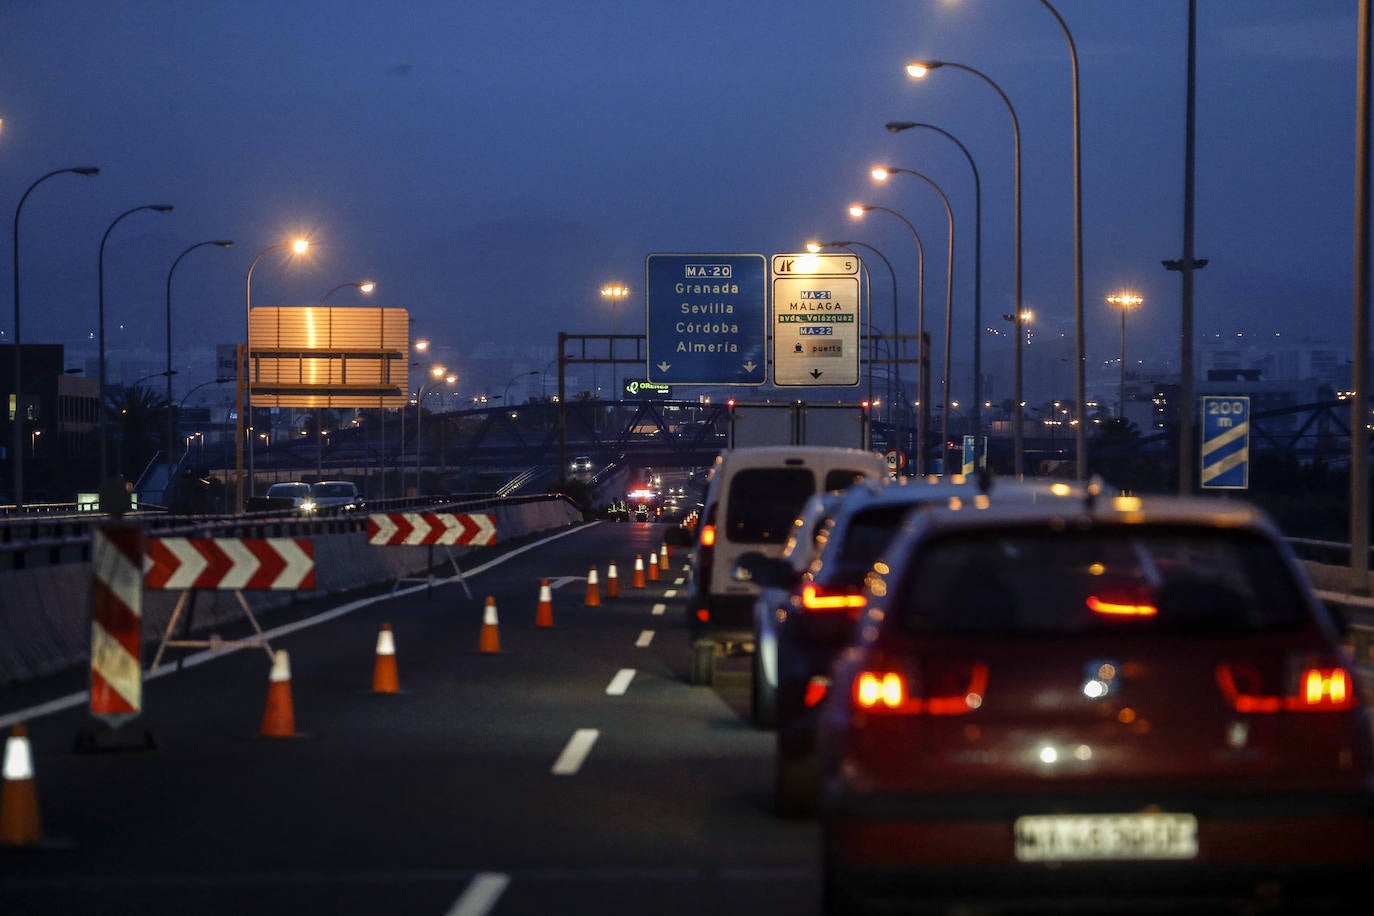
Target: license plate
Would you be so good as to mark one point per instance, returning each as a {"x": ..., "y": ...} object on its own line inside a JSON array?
[{"x": 1089, "y": 837}]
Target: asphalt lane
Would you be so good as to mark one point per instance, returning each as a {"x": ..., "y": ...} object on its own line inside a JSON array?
[{"x": 573, "y": 771}]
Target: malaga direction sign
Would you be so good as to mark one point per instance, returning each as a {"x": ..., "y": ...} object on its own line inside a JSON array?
[{"x": 707, "y": 321}]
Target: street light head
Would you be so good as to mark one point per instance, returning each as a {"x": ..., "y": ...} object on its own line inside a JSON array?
[
  {"x": 437, "y": 371},
  {"x": 896, "y": 127},
  {"x": 919, "y": 68},
  {"x": 814, "y": 247},
  {"x": 224, "y": 243},
  {"x": 422, "y": 344},
  {"x": 879, "y": 173},
  {"x": 858, "y": 210},
  {"x": 299, "y": 246},
  {"x": 161, "y": 208},
  {"x": 86, "y": 170},
  {"x": 367, "y": 286},
  {"x": 451, "y": 379}
]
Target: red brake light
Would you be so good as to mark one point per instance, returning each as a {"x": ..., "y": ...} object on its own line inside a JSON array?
[
  {"x": 1316, "y": 688},
  {"x": 708, "y": 536},
  {"x": 703, "y": 615},
  {"x": 816, "y": 690},
  {"x": 891, "y": 691},
  {"x": 819, "y": 599},
  {"x": 1120, "y": 608}
]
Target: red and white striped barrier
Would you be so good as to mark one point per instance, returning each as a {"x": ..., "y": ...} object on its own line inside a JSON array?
[
  {"x": 116, "y": 623},
  {"x": 278, "y": 564},
  {"x": 444, "y": 528}
]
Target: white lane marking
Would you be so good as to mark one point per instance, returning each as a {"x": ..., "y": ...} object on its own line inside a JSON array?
[
  {"x": 659, "y": 609},
  {"x": 561, "y": 581},
  {"x": 679, "y": 581},
  {"x": 481, "y": 895},
  {"x": 575, "y": 751},
  {"x": 620, "y": 683},
  {"x": 645, "y": 637},
  {"x": 670, "y": 593}
]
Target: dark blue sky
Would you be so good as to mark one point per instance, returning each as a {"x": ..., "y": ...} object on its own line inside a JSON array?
[{"x": 492, "y": 165}]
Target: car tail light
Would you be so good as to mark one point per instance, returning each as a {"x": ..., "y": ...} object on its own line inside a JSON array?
[
  {"x": 703, "y": 615},
  {"x": 708, "y": 536},
  {"x": 817, "y": 598},
  {"x": 1314, "y": 685},
  {"x": 817, "y": 688},
  {"x": 1117, "y": 607},
  {"x": 952, "y": 693}
]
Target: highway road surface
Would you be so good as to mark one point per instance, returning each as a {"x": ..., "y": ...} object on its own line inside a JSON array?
[{"x": 572, "y": 771}]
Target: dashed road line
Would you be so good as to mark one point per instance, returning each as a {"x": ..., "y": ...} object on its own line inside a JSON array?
[
  {"x": 645, "y": 637},
  {"x": 575, "y": 751},
  {"x": 481, "y": 895},
  {"x": 620, "y": 683},
  {"x": 659, "y": 609},
  {"x": 670, "y": 593}
]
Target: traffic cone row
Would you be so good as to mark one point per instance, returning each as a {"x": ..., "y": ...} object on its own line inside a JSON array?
[
  {"x": 543, "y": 614},
  {"x": 279, "y": 719},
  {"x": 384, "y": 679},
  {"x": 653, "y": 568},
  {"x": 19, "y": 823},
  {"x": 593, "y": 589},
  {"x": 663, "y": 557},
  {"x": 490, "y": 642},
  {"x": 639, "y": 571},
  {"x": 612, "y": 581}
]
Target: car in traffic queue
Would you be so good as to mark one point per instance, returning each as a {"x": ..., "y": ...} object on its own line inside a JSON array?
[
  {"x": 293, "y": 495},
  {"x": 753, "y": 496},
  {"x": 776, "y": 579},
  {"x": 813, "y": 621},
  {"x": 1120, "y": 702},
  {"x": 336, "y": 496}
]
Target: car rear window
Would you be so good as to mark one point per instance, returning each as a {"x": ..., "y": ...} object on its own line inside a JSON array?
[
  {"x": 868, "y": 531},
  {"x": 764, "y": 502},
  {"x": 842, "y": 479},
  {"x": 1127, "y": 579}
]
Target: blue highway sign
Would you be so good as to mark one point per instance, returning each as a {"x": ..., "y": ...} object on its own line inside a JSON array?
[
  {"x": 707, "y": 320},
  {"x": 1226, "y": 443}
]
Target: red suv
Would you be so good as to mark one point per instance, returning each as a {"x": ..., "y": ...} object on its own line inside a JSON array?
[{"x": 1138, "y": 702}]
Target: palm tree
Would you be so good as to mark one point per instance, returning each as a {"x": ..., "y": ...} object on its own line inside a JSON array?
[{"x": 140, "y": 423}]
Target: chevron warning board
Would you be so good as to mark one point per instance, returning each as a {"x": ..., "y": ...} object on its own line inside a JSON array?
[
  {"x": 278, "y": 564},
  {"x": 447, "y": 528}
]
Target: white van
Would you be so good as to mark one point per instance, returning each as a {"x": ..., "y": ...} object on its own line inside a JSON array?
[{"x": 753, "y": 497}]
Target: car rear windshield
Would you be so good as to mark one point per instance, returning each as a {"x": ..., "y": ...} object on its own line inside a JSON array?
[
  {"x": 1117, "y": 579},
  {"x": 852, "y": 550},
  {"x": 764, "y": 502}
]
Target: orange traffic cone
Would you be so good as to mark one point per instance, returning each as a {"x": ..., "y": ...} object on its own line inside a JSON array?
[
  {"x": 543, "y": 615},
  {"x": 612, "y": 581},
  {"x": 279, "y": 719},
  {"x": 491, "y": 636},
  {"x": 639, "y": 571},
  {"x": 593, "y": 589},
  {"x": 19, "y": 799},
  {"x": 663, "y": 557},
  {"x": 384, "y": 678},
  {"x": 653, "y": 568}
]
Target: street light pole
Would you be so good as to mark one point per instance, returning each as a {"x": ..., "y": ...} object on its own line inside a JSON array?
[
  {"x": 245, "y": 374},
  {"x": 847, "y": 244},
  {"x": 100, "y": 330},
  {"x": 437, "y": 373},
  {"x": 917, "y": 70},
  {"x": 880, "y": 174},
  {"x": 977, "y": 417},
  {"x": 171, "y": 416},
  {"x": 505, "y": 396},
  {"x": 1080, "y": 433},
  {"x": 923, "y": 378},
  {"x": 615, "y": 294},
  {"x": 1125, "y": 302},
  {"x": 365, "y": 287},
  {"x": 17, "y": 426}
]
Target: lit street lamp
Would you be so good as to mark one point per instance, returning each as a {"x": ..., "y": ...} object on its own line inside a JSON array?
[
  {"x": 615, "y": 294},
  {"x": 100, "y": 330},
  {"x": 505, "y": 396},
  {"x": 918, "y": 70},
  {"x": 17, "y": 426},
  {"x": 365, "y": 287},
  {"x": 881, "y": 174},
  {"x": 923, "y": 379},
  {"x": 171, "y": 417},
  {"x": 439, "y": 376},
  {"x": 1125, "y": 302},
  {"x": 975, "y": 414},
  {"x": 245, "y": 373}
]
